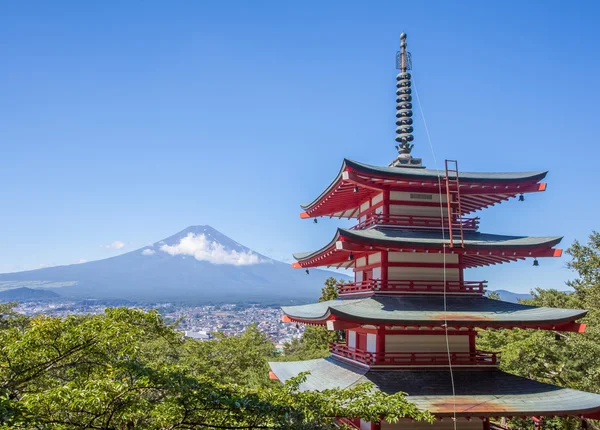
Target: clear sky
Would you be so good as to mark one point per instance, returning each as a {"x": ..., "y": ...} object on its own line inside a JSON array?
[{"x": 122, "y": 123}]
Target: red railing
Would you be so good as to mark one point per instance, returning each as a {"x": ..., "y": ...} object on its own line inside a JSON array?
[
  {"x": 343, "y": 350},
  {"x": 478, "y": 358},
  {"x": 349, "y": 423},
  {"x": 414, "y": 221},
  {"x": 377, "y": 285}
]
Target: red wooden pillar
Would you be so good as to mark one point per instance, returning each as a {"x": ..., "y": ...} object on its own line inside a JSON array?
[
  {"x": 385, "y": 209},
  {"x": 472, "y": 341},
  {"x": 380, "y": 343},
  {"x": 486, "y": 424},
  {"x": 384, "y": 268},
  {"x": 461, "y": 277},
  {"x": 376, "y": 426}
]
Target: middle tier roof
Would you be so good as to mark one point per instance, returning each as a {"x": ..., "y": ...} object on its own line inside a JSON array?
[{"x": 480, "y": 249}]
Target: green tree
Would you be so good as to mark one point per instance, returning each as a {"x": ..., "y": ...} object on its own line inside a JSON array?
[
  {"x": 128, "y": 369},
  {"x": 567, "y": 359},
  {"x": 315, "y": 340}
]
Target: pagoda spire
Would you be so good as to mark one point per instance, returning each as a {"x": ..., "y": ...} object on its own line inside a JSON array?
[{"x": 404, "y": 112}]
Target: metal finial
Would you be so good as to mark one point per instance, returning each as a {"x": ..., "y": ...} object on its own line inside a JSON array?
[{"x": 403, "y": 103}]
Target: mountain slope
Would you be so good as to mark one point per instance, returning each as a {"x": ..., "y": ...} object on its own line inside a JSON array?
[
  {"x": 24, "y": 294},
  {"x": 197, "y": 264},
  {"x": 509, "y": 296}
]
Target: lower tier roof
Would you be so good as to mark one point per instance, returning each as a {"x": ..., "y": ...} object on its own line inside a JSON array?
[
  {"x": 429, "y": 310},
  {"x": 478, "y": 392}
]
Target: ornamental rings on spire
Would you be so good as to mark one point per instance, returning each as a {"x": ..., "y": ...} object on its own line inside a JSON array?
[{"x": 404, "y": 108}]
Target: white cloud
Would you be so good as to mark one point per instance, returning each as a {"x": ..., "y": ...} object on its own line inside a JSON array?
[
  {"x": 82, "y": 260},
  {"x": 203, "y": 249},
  {"x": 148, "y": 251},
  {"x": 117, "y": 244}
]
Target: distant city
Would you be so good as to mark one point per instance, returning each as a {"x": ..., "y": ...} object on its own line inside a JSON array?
[{"x": 198, "y": 322}]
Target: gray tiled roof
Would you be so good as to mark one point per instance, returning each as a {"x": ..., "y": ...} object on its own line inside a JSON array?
[
  {"x": 429, "y": 174},
  {"x": 467, "y": 311},
  {"x": 478, "y": 392},
  {"x": 434, "y": 239}
]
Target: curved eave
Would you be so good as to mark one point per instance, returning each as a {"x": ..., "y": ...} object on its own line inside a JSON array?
[
  {"x": 432, "y": 174},
  {"x": 489, "y": 393},
  {"x": 339, "y": 199},
  {"x": 429, "y": 311},
  {"x": 480, "y": 249}
]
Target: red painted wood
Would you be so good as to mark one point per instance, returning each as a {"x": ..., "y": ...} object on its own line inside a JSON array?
[
  {"x": 409, "y": 286},
  {"x": 361, "y": 341},
  {"x": 472, "y": 342},
  {"x": 422, "y": 222},
  {"x": 477, "y": 358}
]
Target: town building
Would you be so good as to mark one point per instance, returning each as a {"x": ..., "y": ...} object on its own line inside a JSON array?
[{"x": 411, "y": 317}]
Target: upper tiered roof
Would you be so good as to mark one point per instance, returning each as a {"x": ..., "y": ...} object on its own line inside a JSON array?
[{"x": 357, "y": 182}]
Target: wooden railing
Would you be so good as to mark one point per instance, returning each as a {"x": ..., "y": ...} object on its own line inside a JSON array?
[
  {"x": 414, "y": 221},
  {"x": 348, "y": 422},
  {"x": 413, "y": 287},
  {"x": 478, "y": 358}
]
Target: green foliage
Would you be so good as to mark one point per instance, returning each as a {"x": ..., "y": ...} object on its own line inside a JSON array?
[
  {"x": 493, "y": 295},
  {"x": 315, "y": 340},
  {"x": 128, "y": 369},
  {"x": 567, "y": 359},
  {"x": 330, "y": 290}
]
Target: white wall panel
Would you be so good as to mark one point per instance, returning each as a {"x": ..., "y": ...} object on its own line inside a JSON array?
[
  {"x": 375, "y": 258},
  {"x": 371, "y": 342},
  {"x": 351, "y": 339},
  {"x": 365, "y": 206},
  {"x": 421, "y": 257},
  {"x": 416, "y": 197},
  {"x": 432, "y": 211},
  {"x": 422, "y": 273},
  {"x": 425, "y": 343},
  {"x": 377, "y": 199}
]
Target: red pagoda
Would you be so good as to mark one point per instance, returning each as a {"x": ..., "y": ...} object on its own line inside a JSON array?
[{"x": 410, "y": 317}]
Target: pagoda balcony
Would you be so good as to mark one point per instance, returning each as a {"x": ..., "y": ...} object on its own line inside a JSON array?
[
  {"x": 414, "y": 359},
  {"x": 379, "y": 286},
  {"x": 414, "y": 222}
]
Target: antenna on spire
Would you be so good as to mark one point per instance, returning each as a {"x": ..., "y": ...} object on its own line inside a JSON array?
[{"x": 404, "y": 112}]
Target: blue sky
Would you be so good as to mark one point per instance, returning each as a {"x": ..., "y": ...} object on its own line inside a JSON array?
[{"x": 128, "y": 121}]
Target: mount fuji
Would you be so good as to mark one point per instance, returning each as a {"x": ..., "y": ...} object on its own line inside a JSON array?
[{"x": 198, "y": 264}]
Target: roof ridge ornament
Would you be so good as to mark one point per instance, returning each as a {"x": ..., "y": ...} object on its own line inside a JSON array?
[{"x": 404, "y": 112}]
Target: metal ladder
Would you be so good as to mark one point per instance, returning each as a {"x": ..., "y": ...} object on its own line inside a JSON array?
[{"x": 454, "y": 210}]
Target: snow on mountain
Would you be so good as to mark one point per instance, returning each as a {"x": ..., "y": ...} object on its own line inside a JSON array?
[{"x": 197, "y": 264}]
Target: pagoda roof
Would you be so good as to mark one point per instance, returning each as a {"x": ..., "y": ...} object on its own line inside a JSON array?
[
  {"x": 480, "y": 393},
  {"x": 463, "y": 311},
  {"x": 487, "y": 188},
  {"x": 480, "y": 249}
]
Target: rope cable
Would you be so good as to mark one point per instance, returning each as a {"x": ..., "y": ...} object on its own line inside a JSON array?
[{"x": 443, "y": 247}]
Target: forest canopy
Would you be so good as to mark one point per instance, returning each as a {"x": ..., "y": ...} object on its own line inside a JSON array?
[{"x": 128, "y": 369}]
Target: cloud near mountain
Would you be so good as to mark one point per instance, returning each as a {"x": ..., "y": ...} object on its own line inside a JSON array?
[
  {"x": 203, "y": 249},
  {"x": 196, "y": 265},
  {"x": 117, "y": 244}
]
